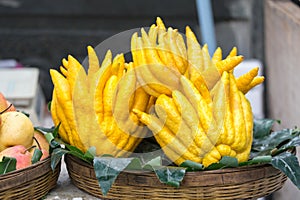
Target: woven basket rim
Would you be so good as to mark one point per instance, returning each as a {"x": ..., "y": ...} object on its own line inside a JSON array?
[
  {"x": 32, "y": 166},
  {"x": 236, "y": 175},
  {"x": 33, "y": 178},
  {"x": 229, "y": 183},
  {"x": 215, "y": 171}
]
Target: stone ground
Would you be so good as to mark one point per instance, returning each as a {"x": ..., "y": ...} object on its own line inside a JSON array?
[{"x": 66, "y": 190}]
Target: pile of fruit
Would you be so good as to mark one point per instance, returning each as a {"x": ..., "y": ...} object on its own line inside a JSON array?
[
  {"x": 172, "y": 89},
  {"x": 18, "y": 138}
]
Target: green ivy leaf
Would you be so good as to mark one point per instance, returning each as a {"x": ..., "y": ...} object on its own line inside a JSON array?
[
  {"x": 226, "y": 161},
  {"x": 262, "y": 127},
  {"x": 37, "y": 154},
  {"x": 90, "y": 154},
  {"x": 51, "y": 140},
  {"x": 44, "y": 129},
  {"x": 55, "y": 130},
  {"x": 107, "y": 169},
  {"x": 50, "y": 135},
  {"x": 290, "y": 145},
  {"x": 265, "y": 145},
  {"x": 56, "y": 156},
  {"x": 170, "y": 175},
  {"x": 257, "y": 160},
  {"x": 135, "y": 164},
  {"x": 289, "y": 165},
  {"x": 192, "y": 166},
  {"x": 140, "y": 163},
  {"x": 156, "y": 161},
  {"x": 78, "y": 153},
  {"x": 74, "y": 149},
  {"x": 7, "y": 164}
]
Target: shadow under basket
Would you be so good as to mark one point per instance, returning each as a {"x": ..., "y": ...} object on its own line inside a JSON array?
[
  {"x": 248, "y": 182},
  {"x": 32, "y": 182}
]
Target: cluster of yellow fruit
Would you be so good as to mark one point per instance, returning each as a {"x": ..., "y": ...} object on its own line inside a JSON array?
[
  {"x": 18, "y": 139},
  {"x": 91, "y": 108},
  {"x": 200, "y": 112}
]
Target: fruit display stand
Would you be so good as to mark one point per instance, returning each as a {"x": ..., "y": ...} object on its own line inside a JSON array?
[
  {"x": 194, "y": 132},
  {"x": 33, "y": 182},
  {"x": 249, "y": 182}
]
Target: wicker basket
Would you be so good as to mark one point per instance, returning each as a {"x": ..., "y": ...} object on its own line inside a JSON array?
[
  {"x": 33, "y": 182},
  {"x": 249, "y": 182}
]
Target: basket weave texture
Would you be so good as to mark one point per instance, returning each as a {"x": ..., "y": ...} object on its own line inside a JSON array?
[
  {"x": 248, "y": 182},
  {"x": 33, "y": 182}
]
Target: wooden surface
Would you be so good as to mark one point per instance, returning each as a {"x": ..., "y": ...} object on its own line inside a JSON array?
[{"x": 282, "y": 50}]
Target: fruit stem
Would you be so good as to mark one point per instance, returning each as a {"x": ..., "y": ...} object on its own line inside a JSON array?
[
  {"x": 6, "y": 109},
  {"x": 29, "y": 148},
  {"x": 37, "y": 143}
]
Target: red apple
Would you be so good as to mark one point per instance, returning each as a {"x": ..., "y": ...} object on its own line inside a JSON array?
[{"x": 20, "y": 153}]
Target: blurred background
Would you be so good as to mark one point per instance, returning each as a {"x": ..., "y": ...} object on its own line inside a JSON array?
[
  {"x": 41, "y": 33},
  {"x": 38, "y": 34}
]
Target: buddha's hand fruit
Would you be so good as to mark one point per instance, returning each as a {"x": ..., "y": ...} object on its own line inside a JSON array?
[
  {"x": 201, "y": 112},
  {"x": 208, "y": 115},
  {"x": 94, "y": 108},
  {"x": 189, "y": 127},
  {"x": 160, "y": 56},
  {"x": 16, "y": 129}
]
